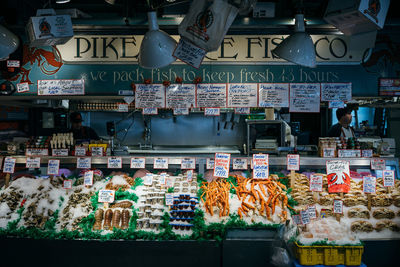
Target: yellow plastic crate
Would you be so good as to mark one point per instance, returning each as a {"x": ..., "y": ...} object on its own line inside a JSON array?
[{"x": 329, "y": 255}]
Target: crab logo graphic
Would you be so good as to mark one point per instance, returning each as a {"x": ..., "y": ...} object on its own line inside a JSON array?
[
  {"x": 374, "y": 6},
  {"x": 49, "y": 62},
  {"x": 338, "y": 182}
]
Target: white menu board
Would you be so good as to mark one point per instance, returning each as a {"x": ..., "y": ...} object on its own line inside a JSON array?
[
  {"x": 242, "y": 95},
  {"x": 335, "y": 91},
  {"x": 304, "y": 97},
  {"x": 180, "y": 96},
  {"x": 61, "y": 87},
  {"x": 211, "y": 95},
  {"x": 150, "y": 96},
  {"x": 273, "y": 95}
]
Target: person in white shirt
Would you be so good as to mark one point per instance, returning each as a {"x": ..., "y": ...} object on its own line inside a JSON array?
[{"x": 342, "y": 128}]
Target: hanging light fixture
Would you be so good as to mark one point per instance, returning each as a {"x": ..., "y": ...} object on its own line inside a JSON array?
[
  {"x": 157, "y": 46},
  {"x": 298, "y": 48},
  {"x": 8, "y": 42}
]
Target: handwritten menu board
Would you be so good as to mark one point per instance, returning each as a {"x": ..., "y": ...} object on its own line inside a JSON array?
[
  {"x": 273, "y": 95},
  {"x": 181, "y": 96},
  {"x": 242, "y": 95},
  {"x": 304, "y": 97},
  {"x": 335, "y": 91},
  {"x": 61, "y": 87},
  {"x": 149, "y": 96},
  {"x": 211, "y": 95}
]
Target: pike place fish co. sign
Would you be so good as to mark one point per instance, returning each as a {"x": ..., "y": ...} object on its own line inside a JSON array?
[{"x": 248, "y": 49}]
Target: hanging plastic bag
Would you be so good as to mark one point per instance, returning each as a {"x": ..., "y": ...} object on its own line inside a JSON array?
[{"x": 206, "y": 25}]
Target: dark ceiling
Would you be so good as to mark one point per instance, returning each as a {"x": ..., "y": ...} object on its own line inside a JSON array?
[{"x": 17, "y": 12}]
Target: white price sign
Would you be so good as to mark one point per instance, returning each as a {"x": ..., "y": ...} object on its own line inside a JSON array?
[
  {"x": 169, "y": 199},
  {"x": 293, "y": 162},
  {"x": 97, "y": 151},
  {"x": 80, "y": 151},
  {"x": 67, "y": 184},
  {"x": 189, "y": 53},
  {"x": 114, "y": 163},
  {"x": 210, "y": 164},
  {"x": 32, "y": 162},
  {"x": 188, "y": 163},
  {"x": 335, "y": 104},
  {"x": 242, "y": 110},
  {"x": 138, "y": 163},
  {"x": 305, "y": 217},
  {"x": 22, "y": 87},
  {"x": 328, "y": 152},
  {"x": 106, "y": 196},
  {"x": 168, "y": 182},
  {"x": 123, "y": 107},
  {"x": 337, "y": 206},
  {"x": 160, "y": 163},
  {"x": 212, "y": 111},
  {"x": 312, "y": 212},
  {"x": 9, "y": 165},
  {"x": 316, "y": 182},
  {"x": 162, "y": 178},
  {"x": 378, "y": 164},
  {"x": 181, "y": 111},
  {"x": 221, "y": 165},
  {"x": 53, "y": 167},
  {"x": 189, "y": 175},
  {"x": 239, "y": 164},
  {"x": 84, "y": 163},
  {"x": 260, "y": 166},
  {"x": 369, "y": 184},
  {"x": 148, "y": 179},
  {"x": 149, "y": 111},
  {"x": 37, "y": 152},
  {"x": 388, "y": 178},
  {"x": 60, "y": 152},
  {"x": 88, "y": 178},
  {"x": 349, "y": 153},
  {"x": 366, "y": 153},
  {"x": 13, "y": 63}
]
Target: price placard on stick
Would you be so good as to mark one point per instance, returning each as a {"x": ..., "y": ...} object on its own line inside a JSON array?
[
  {"x": 260, "y": 166},
  {"x": 32, "y": 163},
  {"x": 53, "y": 167},
  {"x": 221, "y": 165},
  {"x": 312, "y": 212},
  {"x": 316, "y": 181},
  {"x": 338, "y": 174},
  {"x": 106, "y": 196},
  {"x": 337, "y": 206},
  {"x": 67, "y": 184},
  {"x": 293, "y": 162},
  {"x": 369, "y": 184},
  {"x": 9, "y": 165},
  {"x": 84, "y": 163},
  {"x": 305, "y": 217},
  {"x": 388, "y": 178},
  {"x": 88, "y": 178}
]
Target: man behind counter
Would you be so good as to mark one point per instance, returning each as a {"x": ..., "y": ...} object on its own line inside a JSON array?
[
  {"x": 79, "y": 131},
  {"x": 342, "y": 128}
]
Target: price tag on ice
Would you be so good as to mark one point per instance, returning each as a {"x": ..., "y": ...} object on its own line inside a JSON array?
[
  {"x": 189, "y": 175},
  {"x": 160, "y": 163},
  {"x": 84, "y": 163},
  {"x": 378, "y": 164},
  {"x": 114, "y": 163},
  {"x": 388, "y": 178},
  {"x": 97, "y": 151},
  {"x": 32, "y": 163},
  {"x": 9, "y": 165},
  {"x": 297, "y": 219},
  {"x": 239, "y": 164},
  {"x": 22, "y": 87},
  {"x": 305, "y": 217},
  {"x": 312, "y": 212},
  {"x": 67, "y": 184},
  {"x": 106, "y": 196},
  {"x": 148, "y": 179},
  {"x": 188, "y": 163},
  {"x": 316, "y": 182},
  {"x": 293, "y": 162},
  {"x": 169, "y": 199},
  {"x": 162, "y": 178},
  {"x": 210, "y": 164},
  {"x": 337, "y": 206},
  {"x": 80, "y": 151},
  {"x": 260, "y": 166},
  {"x": 168, "y": 182},
  {"x": 221, "y": 164},
  {"x": 212, "y": 111},
  {"x": 369, "y": 184},
  {"x": 123, "y": 107},
  {"x": 88, "y": 178},
  {"x": 53, "y": 167},
  {"x": 138, "y": 163}
]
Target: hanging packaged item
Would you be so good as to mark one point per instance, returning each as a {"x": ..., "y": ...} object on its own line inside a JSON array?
[{"x": 206, "y": 25}]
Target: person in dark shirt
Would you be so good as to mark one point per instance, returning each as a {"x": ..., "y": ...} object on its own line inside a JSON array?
[
  {"x": 342, "y": 128},
  {"x": 79, "y": 131}
]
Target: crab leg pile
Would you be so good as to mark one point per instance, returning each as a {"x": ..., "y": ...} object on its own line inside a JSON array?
[
  {"x": 258, "y": 197},
  {"x": 217, "y": 195}
]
